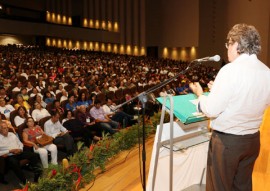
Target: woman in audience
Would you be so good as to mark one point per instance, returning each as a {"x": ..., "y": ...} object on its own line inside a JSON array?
[
  {"x": 92, "y": 99},
  {"x": 21, "y": 117},
  {"x": 122, "y": 85},
  {"x": 24, "y": 94},
  {"x": 97, "y": 90},
  {"x": 21, "y": 102},
  {"x": 60, "y": 89},
  {"x": 64, "y": 96},
  {"x": 83, "y": 100},
  {"x": 35, "y": 92},
  {"x": 29, "y": 86},
  {"x": 39, "y": 112},
  {"x": 41, "y": 85},
  {"x": 82, "y": 86},
  {"x": 39, "y": 100},
  {"x": 29, "y": 137},
  {"x": 71, "y": 105},
  {"x": 105, "y": 88},
  {"x": 48, "y": 98},
  {"x": 56, "y": 106}
]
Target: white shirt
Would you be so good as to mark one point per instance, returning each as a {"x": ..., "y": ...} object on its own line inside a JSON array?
[
  {"x": 9, "y": 142},
  {"x": 239, "y": 96},
  {"x": 53, "y": 129},
  {"x": 19, "y": 120},
  {"x": 6, "y": 110},
  {"x": 113, "y": 89},
  {"x": 108, "y": 109},
  {"x": 163, "y": 94},
  {"x": 63, "y": 98},
  {"x": 39, "y": 114},
  {"x": 16, "y": 89}
]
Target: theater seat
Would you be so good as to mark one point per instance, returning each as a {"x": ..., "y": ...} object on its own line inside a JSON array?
[{"x": 261, "y": 171}]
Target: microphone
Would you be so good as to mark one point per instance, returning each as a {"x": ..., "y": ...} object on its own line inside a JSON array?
[{"x": 215, "y": 58}]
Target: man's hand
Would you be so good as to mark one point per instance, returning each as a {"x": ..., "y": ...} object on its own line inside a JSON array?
[
  {"x": 91, "y": 123},
  {"x": 196, "y": 88},
  {"x": 15, "y": 151},
  {"x": 62, "y": 133}
]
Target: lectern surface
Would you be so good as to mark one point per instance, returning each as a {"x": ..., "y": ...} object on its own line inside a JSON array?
[{"x": 185, "y": 108}]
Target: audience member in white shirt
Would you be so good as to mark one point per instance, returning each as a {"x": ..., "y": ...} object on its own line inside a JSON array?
[
  {"x": 5, "y": 108},
  {"x": 39, "y": 112}
]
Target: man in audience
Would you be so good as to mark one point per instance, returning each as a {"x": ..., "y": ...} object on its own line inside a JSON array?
[
  {"x": 61, "y": 136},
  {"x": 4, "y": 95},
  {"x": 104, "y": 121},
  {"x": 117, "y": 115},
  {"x": 11, "y": 149}
]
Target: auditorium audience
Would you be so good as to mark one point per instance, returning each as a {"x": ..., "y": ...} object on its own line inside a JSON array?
[{"x": 94, "y": 73}]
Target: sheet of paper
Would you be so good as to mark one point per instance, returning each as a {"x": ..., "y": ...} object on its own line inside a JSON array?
[
  {"x": 194, "y": 101},
  {"x": 198, "y": 114}
]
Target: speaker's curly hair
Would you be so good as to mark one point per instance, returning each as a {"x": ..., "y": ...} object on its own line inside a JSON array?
[{"x": 247, "y": 37}]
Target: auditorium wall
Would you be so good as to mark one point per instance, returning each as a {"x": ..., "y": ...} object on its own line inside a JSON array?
[
  {"x": 173, "y": 27},
  {"x": 218, "y": 16}
]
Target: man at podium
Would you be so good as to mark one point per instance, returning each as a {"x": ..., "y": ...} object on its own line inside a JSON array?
[{"x": 236, "y": 103}]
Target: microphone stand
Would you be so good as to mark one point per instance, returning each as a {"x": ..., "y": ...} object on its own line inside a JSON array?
[{"x": 143, "y": 99}]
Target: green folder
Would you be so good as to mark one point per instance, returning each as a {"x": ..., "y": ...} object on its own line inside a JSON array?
[{"x": 184, "y": 109}]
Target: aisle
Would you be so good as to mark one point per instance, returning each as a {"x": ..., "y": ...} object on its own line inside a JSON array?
[{"x": 123, "y": 173}]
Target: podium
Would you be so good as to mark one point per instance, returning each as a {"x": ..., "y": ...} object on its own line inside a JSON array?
[{"x": 180, "y": 148}]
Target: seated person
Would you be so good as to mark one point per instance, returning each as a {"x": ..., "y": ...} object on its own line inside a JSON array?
[
  {"x": 21, "y": 117},
  {"x": 123, "y": 118},
  {"x": 10, "y": 127},
  {"x": 24, "y": 94},
  {"x": 64, "y": 96},
  {"x": 21, "y": 102},
  {"x": 12, "y": 149},
  {"x": 39, "y": 112},
  {"x": 78, "y": 129},
  {"x": 83, "y": 100},
  {"x": 102, "y": 119},
  {"x": 38, "y": 99},
  {"x": 56, "y": 106},
  {"x": 29, "y": 137},
  {"x": 61, "y": 136},
  {"x": 5, "y": 108},
  {"x": 48, "y": 98},
  {"x": 88, "y": 122},
  {"x": 71, "y": 105},
  {"x": 169, "y": 90},
  {"x": 182, "y": 89}
]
